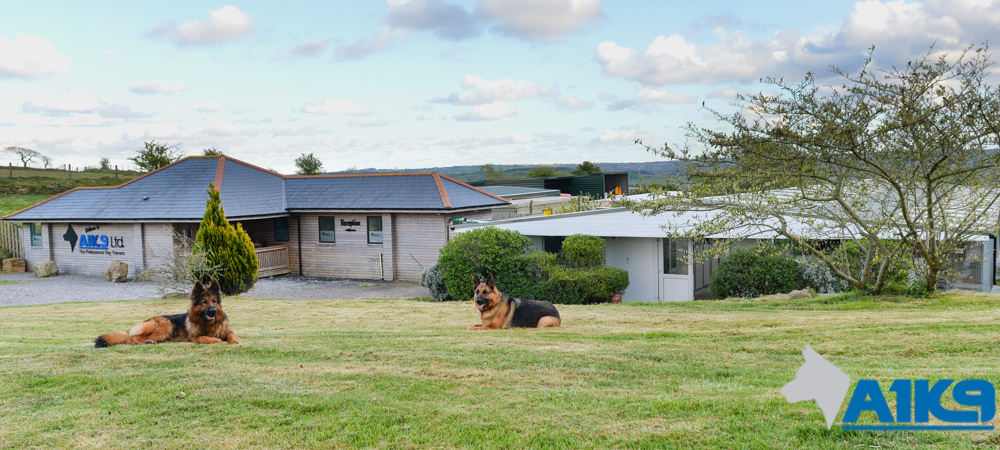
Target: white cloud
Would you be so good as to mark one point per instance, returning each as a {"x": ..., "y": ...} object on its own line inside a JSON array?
[
  {"x": 572, "y": 103},
  {"x": 157, "y": 87},
  {"x": 30, "y": 57},
  {"x": 78, "y": 101},
  {"x": 442, "y": 19},
  {"x": 481, "y": 91},
  {"x": 336, "y": 107},
  {"x": 489, "y": 111},
  {"x": 361, "y": 48},
  {"x": 368, "y": 123},
  {"x": 222, "y": 25},
  {"x": 210, "y": 106},
  {"x": 534, "y": 20},
  {"x": 295, "y": 131},
  {"x": 109, "y": 55},
  {"x": 657, "y": 95},
  {"x": 541, "y": 21},
  {"x": 899, "y": 31},
  {"x": 609, "y": 137},
  {"x": 313, "y": 48}
]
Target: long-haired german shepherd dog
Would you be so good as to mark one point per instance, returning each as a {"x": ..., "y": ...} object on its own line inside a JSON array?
[
  {"x": 499, "y": 310},
  {"x": 204, "y": 323}
]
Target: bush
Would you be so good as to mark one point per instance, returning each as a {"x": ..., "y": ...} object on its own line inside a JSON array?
[
  {"x": 527, "y": 279},
  {"x": 432, "y": 280},
  {"x": 482, "y": 250},
  {"x": 581, "y": 250},
  {"x": 754, "y": 272},
  {"x": 583, "y": 286},
  {"x": 230, "y": 248}
]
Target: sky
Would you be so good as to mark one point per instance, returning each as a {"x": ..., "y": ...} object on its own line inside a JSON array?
[{"x": 424, "y": 83}]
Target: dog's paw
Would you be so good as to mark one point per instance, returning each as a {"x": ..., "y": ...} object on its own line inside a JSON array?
[{"x": 235, "y": 340}]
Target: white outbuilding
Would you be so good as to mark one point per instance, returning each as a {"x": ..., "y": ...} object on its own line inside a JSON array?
[{"x": 658, "y": 267}]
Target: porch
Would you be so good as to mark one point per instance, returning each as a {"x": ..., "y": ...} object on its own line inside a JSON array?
[{"x": 272, "y": 261}]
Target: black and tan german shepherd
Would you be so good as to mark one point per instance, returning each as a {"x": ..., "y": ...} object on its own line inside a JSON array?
[
  {"x": 498, "y": 310},
  {"x": 204, "y": 323}
]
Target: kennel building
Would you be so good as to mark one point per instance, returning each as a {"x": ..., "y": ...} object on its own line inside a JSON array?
[
  {"x": 657, "y": 264},
  {"x": 362, "y": 226}
]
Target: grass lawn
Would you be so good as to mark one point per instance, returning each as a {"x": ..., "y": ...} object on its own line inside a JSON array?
[
  {"x": 12, "y": 203},
  {"x": 380, "y": 373}
]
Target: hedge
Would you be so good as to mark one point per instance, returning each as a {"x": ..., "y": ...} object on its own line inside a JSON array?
[
  {"x": 581, "y": 250},
  {"x": 753, "y": 272},
  {"x": 523, "y": 274},
  {"x": 482, "y": 250}
]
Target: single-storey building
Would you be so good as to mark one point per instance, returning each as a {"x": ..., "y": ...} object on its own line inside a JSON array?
[
  {"x": 364, "y": 226},
  {"x": 658, "y": 265}
]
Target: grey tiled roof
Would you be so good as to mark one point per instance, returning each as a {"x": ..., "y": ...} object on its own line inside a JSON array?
[
  {"x": 464, "y": 196},
  {"x": 178, "y": 192},
  {"x": 392, "y": 191},
  {"x": 249, "y": 191}
]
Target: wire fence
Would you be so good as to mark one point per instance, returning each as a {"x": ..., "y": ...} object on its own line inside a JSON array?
[{"x": 68, "y": 172}]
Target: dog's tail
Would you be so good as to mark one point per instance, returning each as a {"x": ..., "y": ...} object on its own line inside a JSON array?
[{"x": 107, "y": 340}]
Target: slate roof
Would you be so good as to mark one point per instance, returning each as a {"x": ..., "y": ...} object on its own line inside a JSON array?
[
  {"x": 407, "y": 191},
  {"x": 178, "y": 192}
]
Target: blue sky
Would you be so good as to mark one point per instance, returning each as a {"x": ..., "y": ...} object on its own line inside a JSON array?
[{"x": 409, "y": 84}]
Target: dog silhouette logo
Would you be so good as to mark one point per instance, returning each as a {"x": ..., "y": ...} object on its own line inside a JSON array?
[{"x": 820, "y": 380}]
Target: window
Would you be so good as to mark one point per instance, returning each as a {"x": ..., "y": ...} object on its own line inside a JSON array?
[
  {"x": 553, "y": 244},
  {"x": 327, "y": 229},
  {"x": 36, "y": 234},
  {"x": 374, "y": 229},
  {"x": 673, "y": 257},
  {"x": 281, "y": 229}
]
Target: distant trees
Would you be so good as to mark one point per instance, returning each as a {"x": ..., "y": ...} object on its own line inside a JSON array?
[
  {"x": 491, "y": 171},
  {"x": 155, "y": 155},
  {"x": 211, "y": 151},
  {"x": 586, "y": 168},
  {"x": 26, "y": 155},
  {"x": 541, "y": 172},
  {"x": 105, "y": 163},
  {"x": 308, "y": 165}
]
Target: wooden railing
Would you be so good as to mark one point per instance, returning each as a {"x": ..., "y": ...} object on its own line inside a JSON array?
[
  {"x": 10, "y": 238},
  {"x": 272, "y": 261}
]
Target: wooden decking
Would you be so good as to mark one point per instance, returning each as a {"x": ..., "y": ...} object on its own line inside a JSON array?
[{"x": 272, "y": 261}]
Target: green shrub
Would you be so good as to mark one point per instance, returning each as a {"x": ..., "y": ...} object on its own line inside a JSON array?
[
  {"x": 482, "y": 250},
  {"x": 754, "y": 272},
  {"x": 230, "y": 248},
  {"x": 583, "y": 286},
  {"x": 529, "y": 274},
  {"x": 581, "y": 250},
  {"x": 432, "y": 280}
]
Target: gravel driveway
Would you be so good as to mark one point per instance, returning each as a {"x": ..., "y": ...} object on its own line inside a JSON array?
[{"x": 27, "y": 289}]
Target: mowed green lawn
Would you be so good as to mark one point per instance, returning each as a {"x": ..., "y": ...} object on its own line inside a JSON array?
[
  {"x": 13, "y": 203},
  {"x": 403, "y": 374}
]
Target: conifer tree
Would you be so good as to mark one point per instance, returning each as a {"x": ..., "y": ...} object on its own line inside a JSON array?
[{"x": 230, "y": 248}]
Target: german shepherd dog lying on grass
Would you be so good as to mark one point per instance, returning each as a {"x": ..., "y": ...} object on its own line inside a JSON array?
[
  {"x": 204, "y": 323},
  {"x": 498, "y": 310}
]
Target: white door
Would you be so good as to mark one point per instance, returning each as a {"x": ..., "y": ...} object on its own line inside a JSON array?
[{"x": 677, "y": 276}]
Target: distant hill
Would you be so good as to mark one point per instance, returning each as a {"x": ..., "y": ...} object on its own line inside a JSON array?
[{"x": 639, "y": 173}]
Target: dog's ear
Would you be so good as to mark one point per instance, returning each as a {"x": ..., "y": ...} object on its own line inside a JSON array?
[
  {"x": 197, "y": 290},
  {"x": 214, "y": 288},
  {"x": 475, "y": 280},
  {"x": 489, "y": 280}
]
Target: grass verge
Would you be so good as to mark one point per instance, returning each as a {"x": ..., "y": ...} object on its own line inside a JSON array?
[
  {"x": 12, "y": 203},
  {"x": 404, "y": 374}
]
